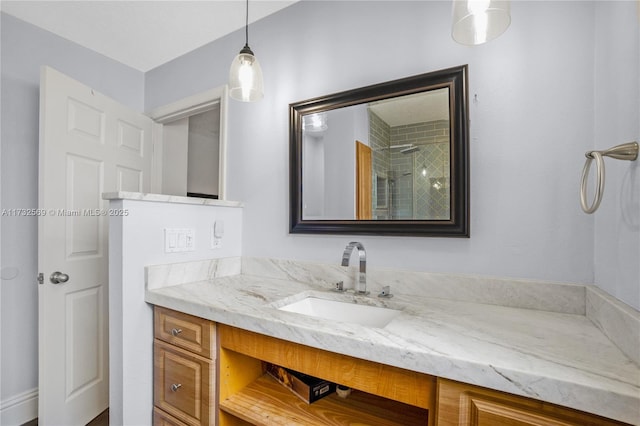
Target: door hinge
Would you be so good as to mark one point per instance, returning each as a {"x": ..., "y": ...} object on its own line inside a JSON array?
[{"x": 40, "y": 278}]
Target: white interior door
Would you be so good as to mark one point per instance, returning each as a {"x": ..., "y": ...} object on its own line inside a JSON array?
[{"x": 89, "y": 144}]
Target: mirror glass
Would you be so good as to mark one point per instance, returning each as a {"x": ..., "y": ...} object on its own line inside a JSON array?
[
  {"x": 403, "y": 144},
  {"x": 384, "y": 159}
]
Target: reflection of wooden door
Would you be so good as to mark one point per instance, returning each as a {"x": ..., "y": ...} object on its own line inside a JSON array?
[{"x": 363, "y": 181}]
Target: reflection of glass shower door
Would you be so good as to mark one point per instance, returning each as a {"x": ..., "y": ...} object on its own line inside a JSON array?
[
  {"x": 392, "y": 185},
  {"x": 400, "y": 195}
]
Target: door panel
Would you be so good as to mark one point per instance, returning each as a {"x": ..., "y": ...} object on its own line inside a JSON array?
[
  {"x": 85, "y": 121},
  {"x": 130, "y": 138},
  {"x": 89, "y": 144},
  {"x": 129, "y": 179},
  {"x": 84, "y": 186},
  {"x": 84, "y": 365}
]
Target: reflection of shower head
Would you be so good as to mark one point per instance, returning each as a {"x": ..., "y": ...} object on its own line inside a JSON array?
[
  {"x": 409, "y": 150},
  {"x": 394, "y": 175}
]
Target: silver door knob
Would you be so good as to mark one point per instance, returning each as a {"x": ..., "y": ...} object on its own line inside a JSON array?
[{"x": 58, "y": 278}]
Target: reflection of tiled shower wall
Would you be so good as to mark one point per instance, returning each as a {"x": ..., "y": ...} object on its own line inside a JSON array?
[
  {"x": 413, "y": 195},
  {"x": 420, "y": 199},
  {"x": 402, "y": 185},
  {"x": 432, "y": 196},
  {"x": 379, "y": 141}
]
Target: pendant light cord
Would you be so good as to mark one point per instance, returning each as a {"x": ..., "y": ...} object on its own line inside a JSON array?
[
  {"x": 246, "y": 26},
  {"x": 246, "y": 49}
]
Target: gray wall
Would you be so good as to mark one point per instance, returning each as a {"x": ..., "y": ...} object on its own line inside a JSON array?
[
  {"x": 532, "y": 109},
  {"x": 24, "y": 49},
  {"x": 544, "y": 97},
  {"x": 617, "y": 120}
]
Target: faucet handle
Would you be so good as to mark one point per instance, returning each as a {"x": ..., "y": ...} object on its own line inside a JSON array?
[
  {"x": 386, "y": 292},
  {"x": 339, "y": 286}
]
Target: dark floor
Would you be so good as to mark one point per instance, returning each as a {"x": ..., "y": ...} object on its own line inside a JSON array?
[{"x": 101, "y": 420}]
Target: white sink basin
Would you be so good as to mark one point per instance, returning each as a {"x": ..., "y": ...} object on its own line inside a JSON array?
[{"x": 337, "y": 311}]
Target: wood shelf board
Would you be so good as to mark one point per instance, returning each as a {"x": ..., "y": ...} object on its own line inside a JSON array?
[
  {"x": 266, "y": 402},
  {"x": 226, "y": 419},
  {"x": 236, "y": 372}
]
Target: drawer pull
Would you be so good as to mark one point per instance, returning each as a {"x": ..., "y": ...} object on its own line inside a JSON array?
[
  {"x": 175, "y": 387},
  {"x": 176, "y": 331}
]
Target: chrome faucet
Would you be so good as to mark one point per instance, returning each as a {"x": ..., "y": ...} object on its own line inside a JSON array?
[{"x": 361, "y": 288}]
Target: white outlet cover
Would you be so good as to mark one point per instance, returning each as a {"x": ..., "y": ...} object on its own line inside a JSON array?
[{"x": 216, "y": 243}]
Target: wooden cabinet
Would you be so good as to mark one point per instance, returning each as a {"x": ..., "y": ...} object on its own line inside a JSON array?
[
  {"x": 382, "y": 395},
  {"x": 187, "y": 348},
  {"x": 466, "y": 405},
  {"x": 184, "y": 369}
]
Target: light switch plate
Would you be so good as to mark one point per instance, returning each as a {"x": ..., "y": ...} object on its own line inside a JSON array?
[{"x": 179, "y": 240}]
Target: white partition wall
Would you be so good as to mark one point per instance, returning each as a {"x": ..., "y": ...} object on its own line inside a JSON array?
[{"x": 136, "y": 240}]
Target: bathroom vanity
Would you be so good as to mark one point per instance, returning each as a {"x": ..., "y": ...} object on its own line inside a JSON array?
[
  {"x": 185, "y": 386},
  {"x": 440, "y": 362}
]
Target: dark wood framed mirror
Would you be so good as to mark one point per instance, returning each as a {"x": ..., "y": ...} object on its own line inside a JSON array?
[{"x": 386, "y": 159}]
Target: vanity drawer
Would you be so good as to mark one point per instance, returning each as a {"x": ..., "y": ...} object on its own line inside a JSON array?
[
  {"x": 184, "y": 384},
  {"x": 160, "y": 418},
  {"x": 194, "y": 334}
]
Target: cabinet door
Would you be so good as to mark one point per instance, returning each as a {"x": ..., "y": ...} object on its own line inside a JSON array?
[
  {"x": 465, "y": 405},
  {"x": 183, "y": 384}
]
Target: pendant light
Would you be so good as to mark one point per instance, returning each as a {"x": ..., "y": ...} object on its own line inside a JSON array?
[
  {"x": 245, "y": 76},
  {"x": 479, "y": 21}
]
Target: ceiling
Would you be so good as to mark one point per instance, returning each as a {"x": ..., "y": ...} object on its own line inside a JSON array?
[
  {"x": 422, "y": 107},
  {"x": 141, "y": 34}
]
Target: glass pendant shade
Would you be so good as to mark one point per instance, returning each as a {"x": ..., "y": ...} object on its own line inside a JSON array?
[
  {"x": 245, "y": 77},
  {"x": 479, "y": 21}
]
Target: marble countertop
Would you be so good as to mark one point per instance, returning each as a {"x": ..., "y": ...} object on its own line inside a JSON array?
[
  {"x": 164, "y": 198},
  {"x": 562, "y": 358}
]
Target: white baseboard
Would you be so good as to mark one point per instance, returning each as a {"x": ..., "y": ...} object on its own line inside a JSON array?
[{"x": 19, "y": 409}]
